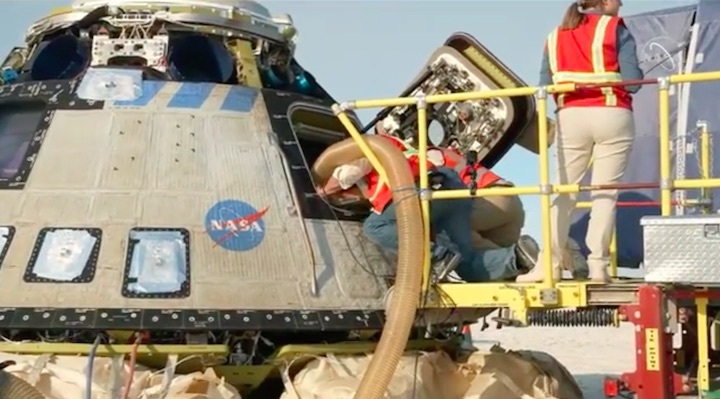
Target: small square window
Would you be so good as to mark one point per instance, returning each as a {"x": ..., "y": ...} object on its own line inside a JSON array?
[
  {"x": 6, "y": 235},
  {"x": 64, "y": 255},
  {"x": 157, "y": 264},
  {"x": 19, "y": 125}
]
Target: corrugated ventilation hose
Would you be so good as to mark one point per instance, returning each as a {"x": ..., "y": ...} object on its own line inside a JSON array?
[
  {"x": 12, "y": 387},
  {"x": 406, "y": 292}
]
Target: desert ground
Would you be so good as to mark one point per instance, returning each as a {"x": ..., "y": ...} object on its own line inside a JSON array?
[{"x": 590, "y": 353}]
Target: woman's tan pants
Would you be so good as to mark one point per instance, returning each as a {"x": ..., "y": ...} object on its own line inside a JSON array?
[{"x": 602, "y": 136}]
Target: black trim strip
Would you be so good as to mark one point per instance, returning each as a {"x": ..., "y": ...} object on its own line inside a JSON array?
[
  {"x": 9, "y": 238},
  {"x": 190, "y": 320}
]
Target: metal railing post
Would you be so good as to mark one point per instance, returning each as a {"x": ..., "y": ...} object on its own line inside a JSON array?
[
  {"x": 705, "y": 164},
  {"x": 425, "y": 194},
  {"x": 664, "y": 136},
  {"x": 545, "y": 187}
]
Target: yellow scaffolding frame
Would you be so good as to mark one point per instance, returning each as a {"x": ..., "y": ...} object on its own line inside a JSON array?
[
  {"x": 519, "y": 297},
  {"x": 705, "y": 157},
  {"x": 470, "y": 295}
]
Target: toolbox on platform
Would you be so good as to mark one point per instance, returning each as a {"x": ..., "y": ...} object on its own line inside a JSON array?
[{"x": 682, "y": 249}]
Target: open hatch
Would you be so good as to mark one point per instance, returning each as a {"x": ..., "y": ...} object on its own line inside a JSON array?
[{"x": 489, "y": 126}]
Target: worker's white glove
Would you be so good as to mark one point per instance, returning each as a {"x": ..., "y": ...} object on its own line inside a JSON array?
[
  {"x": 390, "y": 125},
  {"x": 476, "y": 146}
]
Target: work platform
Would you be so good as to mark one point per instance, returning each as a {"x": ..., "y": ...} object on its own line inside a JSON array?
[{"x": 672, "y": 302}]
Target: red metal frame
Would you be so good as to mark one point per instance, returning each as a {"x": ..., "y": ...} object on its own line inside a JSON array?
[{"x": 655, "y": 378}]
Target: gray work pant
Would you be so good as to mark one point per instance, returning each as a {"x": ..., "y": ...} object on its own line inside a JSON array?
[
  {"x": 453, "y": 218},
  {"x": 600, "y": 137}
]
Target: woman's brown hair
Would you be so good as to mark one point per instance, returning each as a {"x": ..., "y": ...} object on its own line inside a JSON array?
[{"x": 574, "y": 16}]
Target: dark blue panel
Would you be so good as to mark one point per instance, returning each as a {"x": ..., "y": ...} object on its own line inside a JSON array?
[
  {"x": 240, "y": 99},
  {"x": 708, "y": 10},
  {"x": 191, "y": 95},
  {"x": 150, "y": 89},
  {"x": 703, "y": 96},
  {"x": 671, "y": 10}
]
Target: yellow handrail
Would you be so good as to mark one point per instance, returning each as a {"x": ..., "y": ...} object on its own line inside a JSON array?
[{"x": 545, "y": 189}]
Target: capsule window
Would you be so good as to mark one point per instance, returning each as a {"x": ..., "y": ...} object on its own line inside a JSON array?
[
  {"x": 312, "y": 129},
  {"x": 62, "y": 57},
  {"x": 157, "y": 264},
  {"x": 64, "y": 255},
  {"x": 19, "y": 125}
]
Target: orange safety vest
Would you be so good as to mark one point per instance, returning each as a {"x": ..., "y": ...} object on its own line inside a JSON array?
[
  {"x": 378, "y": 190},
  {"x": 588, "y": 54},
  {"x": 484, "y": 176}
]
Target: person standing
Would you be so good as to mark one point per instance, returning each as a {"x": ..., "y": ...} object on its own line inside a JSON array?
[{"x": 595, "y": 125}]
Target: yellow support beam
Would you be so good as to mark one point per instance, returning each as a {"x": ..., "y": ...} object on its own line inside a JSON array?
[
  {"x": 518, "y": 297},
  {"x": 545, "y": 223},
  {"x": 665, "y": 179},
  {"x": 696, "y": 183},
  {"x": 703, "y": 345},
  {"x": 340, "y": 112},
  {"x": 705, "y": 162},
  {"x": 481, "y": 95},
  {"x": 287, "y": 352},
  {"x": 455, "y": 97},
  {"x": 694, "y": 77},
  {"x": 500, "y": 295},
  {"x": 503, "y": 191},
  {"x": 424, "y": 188}
]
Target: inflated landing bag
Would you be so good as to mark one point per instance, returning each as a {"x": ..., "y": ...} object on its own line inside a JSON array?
[
  {"x": 64, "y": 377},
  {"x": 197, "y": 385},
  {"x": 12, "y": 387},
  {"x": 486, "y": 375},
  {"x": 419, "y": 375},
  {"x": 519, "y": 375}
]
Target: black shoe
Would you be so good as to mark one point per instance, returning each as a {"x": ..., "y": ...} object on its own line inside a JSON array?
[
  {"x": 444, "y": 261},
  {"x": 527, "y": 252}
]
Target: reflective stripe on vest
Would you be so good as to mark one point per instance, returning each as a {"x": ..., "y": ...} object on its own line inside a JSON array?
[
  {"x": 484, "y": 177},
  {"x": 379, "y": 193},
  {"x": 599, "y": 74}
]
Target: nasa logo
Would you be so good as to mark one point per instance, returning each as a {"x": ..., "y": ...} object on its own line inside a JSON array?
[{"x": 235, "y": 225}]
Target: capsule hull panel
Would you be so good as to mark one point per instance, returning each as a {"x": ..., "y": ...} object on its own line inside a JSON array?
[{"x": 202, "y": 161}]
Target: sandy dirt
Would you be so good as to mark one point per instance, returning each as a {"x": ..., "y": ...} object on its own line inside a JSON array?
[{"x": 590, "y": 353}]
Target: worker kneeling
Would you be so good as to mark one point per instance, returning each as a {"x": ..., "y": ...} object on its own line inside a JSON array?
[
  {"x": 496, "y": 221},
  {"x": 451, "y": 217}
]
